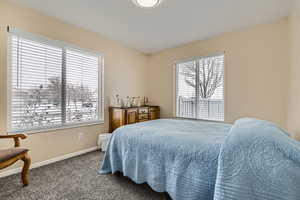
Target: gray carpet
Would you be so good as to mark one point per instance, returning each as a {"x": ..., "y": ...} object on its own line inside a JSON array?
[{"x": 72, "y": 179}]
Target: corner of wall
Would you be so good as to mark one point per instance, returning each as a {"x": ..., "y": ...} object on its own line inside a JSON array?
[{"x": 293, "y": 106}]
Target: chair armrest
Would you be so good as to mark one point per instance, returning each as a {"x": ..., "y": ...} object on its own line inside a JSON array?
[
  {"x": 22, "y": 136},
  {"x": 15, "y": 137}
]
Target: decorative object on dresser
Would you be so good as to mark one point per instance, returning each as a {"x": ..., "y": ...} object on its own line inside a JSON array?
[
  {"x": 123, "y": 116},
  {"x": 128, "y": 101}
]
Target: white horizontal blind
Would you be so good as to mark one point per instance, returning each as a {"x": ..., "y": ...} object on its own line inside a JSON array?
[
  {"x": 51, "y": 85},
  {"x": 200, "y": 88},
  {"x": 82, "y": 77},
  {"x": 35, "y": 84}
]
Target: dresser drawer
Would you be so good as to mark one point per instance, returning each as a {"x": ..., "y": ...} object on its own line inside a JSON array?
[
  {"x": 122, "y": 116},
  {"x": 154, "y": 113},
  {"x": 143, "y": 117},
  {"x": 131, "y": 116},
  {"x": 143, "y": 110}
]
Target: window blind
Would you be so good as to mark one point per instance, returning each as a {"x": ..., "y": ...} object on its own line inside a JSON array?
[
  {"x": 82, "y": 87},
  {"x": 200, "y": 88},
  {"x": 52, "y": 84}
]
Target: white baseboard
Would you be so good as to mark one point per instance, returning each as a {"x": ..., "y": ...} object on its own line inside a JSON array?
[{"x": 47, "y": 162}]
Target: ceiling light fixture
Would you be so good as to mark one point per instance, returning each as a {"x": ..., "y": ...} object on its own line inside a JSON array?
[{"x": 147, "y": 3}]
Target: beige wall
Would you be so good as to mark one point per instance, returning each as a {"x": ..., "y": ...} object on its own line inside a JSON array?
[
  {"x": 255, "y": 72},
  {"x": 125, "y": 71},
  {"x": 293, "y": 116}
]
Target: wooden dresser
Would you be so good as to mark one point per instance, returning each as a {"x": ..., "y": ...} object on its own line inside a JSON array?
[{"x": 123, "y": 116}]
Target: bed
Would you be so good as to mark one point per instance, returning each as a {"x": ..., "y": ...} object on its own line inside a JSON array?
[{"x": 194, "y": 160}]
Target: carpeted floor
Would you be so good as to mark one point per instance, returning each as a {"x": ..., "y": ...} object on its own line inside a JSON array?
[{"x": 75, "y": 179}]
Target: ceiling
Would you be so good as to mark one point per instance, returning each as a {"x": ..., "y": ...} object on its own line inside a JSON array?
[{"x": 173, "y": 23}]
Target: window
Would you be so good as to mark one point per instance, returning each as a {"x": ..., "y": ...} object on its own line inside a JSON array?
[
  {"x": 52, "y": 84},
  {"x": 200, "y": 88}
]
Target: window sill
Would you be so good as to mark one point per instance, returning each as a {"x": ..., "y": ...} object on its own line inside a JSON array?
[
  {"x": 50, "y": 129},
  {"x": 203, "y": 120}
]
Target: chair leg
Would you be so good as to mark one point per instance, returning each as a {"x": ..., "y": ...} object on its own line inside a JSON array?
[{"x": 25, "y": 170}]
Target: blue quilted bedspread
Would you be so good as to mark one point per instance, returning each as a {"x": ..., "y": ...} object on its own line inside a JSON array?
[
  {"x": 194, "y": 160},
  {"x": 258, "y": 161}
]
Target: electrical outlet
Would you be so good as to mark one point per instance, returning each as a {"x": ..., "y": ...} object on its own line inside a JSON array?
[{"x": 80, "y": 136}]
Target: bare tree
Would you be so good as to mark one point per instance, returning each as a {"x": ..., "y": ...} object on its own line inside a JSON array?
[
  {"x": 33, "y": 97},
  {"x": 54, "y": 90},
  {"x": 73, "y": 94},
  {"x": 210, "y": 76},
  {"x": 38, "y": 100},
  {"x": 86, "y": 94}
]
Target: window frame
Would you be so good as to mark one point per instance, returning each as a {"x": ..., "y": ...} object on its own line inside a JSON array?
[
  {"x": 175, "y": 85},
  {"x": 64, "y": 46}
]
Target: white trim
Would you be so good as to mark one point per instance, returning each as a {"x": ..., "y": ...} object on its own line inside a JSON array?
[
  {"x": 8, "y": 81},
  {"x": 101, "y": 91},
  {"x": 50, "y": 161},
  {"x": 175, "y": 92},
  {"x": 225, "y": 86},
  {"x": 66, "y": 126},
  {"x": 199, "y": 57},
  {"x": 202, "y": 120}
]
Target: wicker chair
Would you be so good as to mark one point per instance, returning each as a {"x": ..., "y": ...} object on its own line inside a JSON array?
[{"x": 12, "y": 155}]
